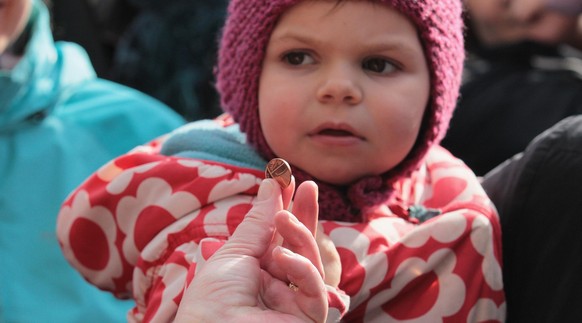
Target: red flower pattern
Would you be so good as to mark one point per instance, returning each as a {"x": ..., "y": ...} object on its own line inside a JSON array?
[{"x": 143, "y": 224}]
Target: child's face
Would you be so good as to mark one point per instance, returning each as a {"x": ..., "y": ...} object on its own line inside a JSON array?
[
  {"x": 343, "y": 89},
  {"x": 13, "y": 15}
]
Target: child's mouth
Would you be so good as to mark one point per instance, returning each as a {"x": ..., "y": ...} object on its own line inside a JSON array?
[{"x": 335, "y": 133}]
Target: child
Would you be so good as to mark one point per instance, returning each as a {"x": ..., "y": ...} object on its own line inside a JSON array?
[
  {"x": 355, "y": 95},
  {"x": 58, "y": 124}
]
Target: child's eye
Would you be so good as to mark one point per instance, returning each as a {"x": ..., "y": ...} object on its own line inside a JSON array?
[
  {"x": 378, "y": 65},
  {"x": 298, "y": 58}
]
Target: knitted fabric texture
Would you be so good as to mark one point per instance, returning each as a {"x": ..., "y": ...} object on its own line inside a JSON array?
[{"x": 242, "y": 49}]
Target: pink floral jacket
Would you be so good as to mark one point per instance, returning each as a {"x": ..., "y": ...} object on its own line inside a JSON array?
[{"x": 142, "y": 225}]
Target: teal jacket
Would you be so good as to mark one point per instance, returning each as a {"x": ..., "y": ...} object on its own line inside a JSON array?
[{"x": 58, "y": 124}]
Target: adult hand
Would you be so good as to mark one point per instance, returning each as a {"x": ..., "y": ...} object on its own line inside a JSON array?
[
  {"x": 326, "y": 259},
  {"x": 247, "y": 279}
]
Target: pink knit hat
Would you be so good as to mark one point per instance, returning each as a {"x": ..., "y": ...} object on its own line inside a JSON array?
[{"x": 242, "y": 48}]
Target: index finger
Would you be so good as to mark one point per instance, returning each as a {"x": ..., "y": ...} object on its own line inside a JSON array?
[{"x": 253, "y": 235}]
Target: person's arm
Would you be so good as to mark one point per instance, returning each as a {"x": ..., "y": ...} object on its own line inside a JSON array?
[
  {"x": 137, "y": 211},
  {"x": 149, "y": 222}
]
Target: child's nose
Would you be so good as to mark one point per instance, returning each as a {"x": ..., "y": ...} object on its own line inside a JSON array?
[{"x": 339, "y": 87}]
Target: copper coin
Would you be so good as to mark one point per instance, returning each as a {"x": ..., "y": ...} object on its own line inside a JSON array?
[{"x": 280, "y": 170}]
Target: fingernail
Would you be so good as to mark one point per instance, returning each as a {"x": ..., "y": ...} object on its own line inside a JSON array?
[{"x": 265, "y": 190}]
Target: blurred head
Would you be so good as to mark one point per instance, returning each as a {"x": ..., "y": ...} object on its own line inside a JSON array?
[
  {"x": 500, "y": 22},
  {"x": 13, "y": 17}
]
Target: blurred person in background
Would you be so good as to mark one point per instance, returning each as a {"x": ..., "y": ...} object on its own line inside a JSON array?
[
  {"x": 499, "y": 22},
  {"x": 537, "y": 194},
  {"x": 523, "y": 74},
  {"x": 58, "y": 124},
  {"x": 162, "y": 48},
  {"x": 96, "y": 25},
  {"x": 168, "y": 51},
  {"x": 522, "y": 81}
]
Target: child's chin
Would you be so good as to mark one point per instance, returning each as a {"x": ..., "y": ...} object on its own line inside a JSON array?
[{"x": 336, "y": 177}]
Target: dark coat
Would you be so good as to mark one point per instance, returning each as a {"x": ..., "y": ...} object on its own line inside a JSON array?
[{"x": 539, "y": 198}]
